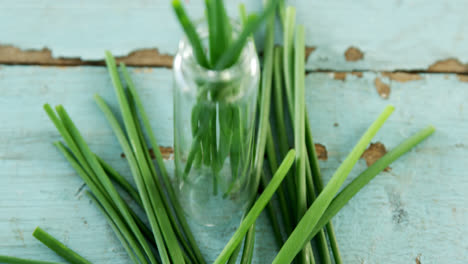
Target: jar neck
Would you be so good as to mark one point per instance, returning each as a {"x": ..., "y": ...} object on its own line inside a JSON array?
[{"x": 216, "y": 85}]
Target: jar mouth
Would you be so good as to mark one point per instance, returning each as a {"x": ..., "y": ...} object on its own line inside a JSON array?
[{"x": 192, "y": 66}]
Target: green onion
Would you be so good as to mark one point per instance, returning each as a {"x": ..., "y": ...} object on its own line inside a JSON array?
[
  {"x": 162, "y": 167},
  {"x": 102, "y": 177},
  {"x": 96, "y": 186},
  {"x": 288, "y": 54},
  {"x": 364, "y": 178},
  {"x": 318, "y": 182},
  {"x": 301, "y": 233},
  {"x": 14, "y": 260},
  {"x": 58, "y": 247},
  {"x": 121, "y": 181},
  {"x": 115, "y": 228},
  {"x": 153, "y": 195},
  {"x": 107, "y": 204},
  {"x": 253, "y": 214},
  {"x": 191, "y": 33},
  {"x": 140, "y": 181},
  {"x": 231, "y": 55}
]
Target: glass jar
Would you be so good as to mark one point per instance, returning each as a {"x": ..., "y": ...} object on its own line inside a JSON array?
[{"x": 214, "y": 113}]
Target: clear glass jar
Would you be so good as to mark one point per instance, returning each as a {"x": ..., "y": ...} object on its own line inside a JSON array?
[{"x": 214, "y": 114}]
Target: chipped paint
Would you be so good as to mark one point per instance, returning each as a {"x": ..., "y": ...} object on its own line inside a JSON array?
[
  {"x": 353, "y": 54},
  {"x": 357, "y": 74},
  {"x": 462, "y": 78},
  {"x": 418, "y": 259},
  {"x": 340, "y": 76},
  {"x": 308, "y": 51},
  {"x": 382, "y": 88},
  {"x": 143, "y": 57},
  {"x": 373, "y": 153},
  {"x": 321, "y": 150},
  {"x": 402, "y": 76},
  {"x": 166, "y": 152},
  {"x": 449, "y": 66}
]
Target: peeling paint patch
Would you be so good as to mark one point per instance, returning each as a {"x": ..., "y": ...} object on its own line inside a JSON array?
[
  {"x": 357, "y": 74},
  {"x": 418, "y": 259},
  {"x": 144, "y": 70},
  {"x": 353, "y": 54},
  {"x": 448, "y": 65},
  {"x": 382, "y": 88},
  {"x": 166, "y": 152},
  {"x": 402, "y": 76},
  {"x": 321, "y": 150},
  {"x": 373, "y": 153},
  {"x": 308, "y": 51},
  {"x": 144, "y": 57},
  {"x": 462, "y": 78},
  {"x": 340, "y": 76}
]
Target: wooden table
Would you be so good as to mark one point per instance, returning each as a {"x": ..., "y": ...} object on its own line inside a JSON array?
[{"x": 363, "y": 55}]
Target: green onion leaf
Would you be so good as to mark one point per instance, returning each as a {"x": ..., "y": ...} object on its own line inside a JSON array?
[
  {"x": 300, "y": 235},
  {"x": 58, "y": 247},
  {"x": 257, "y": 208},
  {"x": 364, "y": 178}
]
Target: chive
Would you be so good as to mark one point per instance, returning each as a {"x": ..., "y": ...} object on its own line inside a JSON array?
[
  {"x": 139, "y": 178},
  {"x": 249, "y": 243},
  {"x": 213, "y": 37},
  {"x": 321, "y": 239},
  {"x": 89, "y": 176},
  {"x": 281, "y": 132},
  {"x": 116, "y": 230},
  {"x": 219, "y": 29},
  {"x": 264, "y": 102},
  {"x": 191, "y": 33},
  {"x": 91, "y": 159},
  {"x": 282, "y": 11},
  {"x": 299, "y": 132},
  {"x": 318, "y": 182},
  {"x": 271, "y": 157},
  {"x": 162, "y": 167},
  {"x": 58, "y": 247},
  {"x": 120, "y": 180},
  {"x": 256, "y": 209},
  {"x": 15, "y": 260},
  {"x": 288, "y": 54},
  {"x": 364, "y": 178},
  {"x": 106, "y": 204},
  {"x": 155, "y": 179},
  {"x": 272, "y": 215},
  {"x": 299, "y": 122},
  {"x": 243, "y": 13},
  {"x": 232, "y": 54},
  {"x": 155, "y": 198},
  {"x": 299, "y": 236}
]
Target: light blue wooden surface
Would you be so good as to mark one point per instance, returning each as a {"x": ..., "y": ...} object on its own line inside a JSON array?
[
  {"x": 392, "y": 34},
  {"x": 419, "y": 208}
]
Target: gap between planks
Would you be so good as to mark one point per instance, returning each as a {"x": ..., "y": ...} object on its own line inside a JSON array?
[{"x": 11, "y": 55}]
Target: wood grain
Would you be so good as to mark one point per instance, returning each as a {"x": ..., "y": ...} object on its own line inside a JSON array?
[{"x": 417, "y": 210}]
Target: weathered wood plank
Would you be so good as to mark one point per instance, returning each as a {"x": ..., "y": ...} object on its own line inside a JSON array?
[
  {"x": 388, "y": 35},
  {"x": 418, "y": 208}
]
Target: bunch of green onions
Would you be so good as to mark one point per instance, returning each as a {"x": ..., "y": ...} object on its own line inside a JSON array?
[{"x": 297, "y": 181}]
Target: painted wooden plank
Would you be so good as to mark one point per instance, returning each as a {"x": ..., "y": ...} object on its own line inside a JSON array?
[
  {"x": 419, "y": 208},
  {"x": 390, "y": 35}
]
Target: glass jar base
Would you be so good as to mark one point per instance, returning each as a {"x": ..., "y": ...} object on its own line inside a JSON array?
[{"x": 207, "y": 206}]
